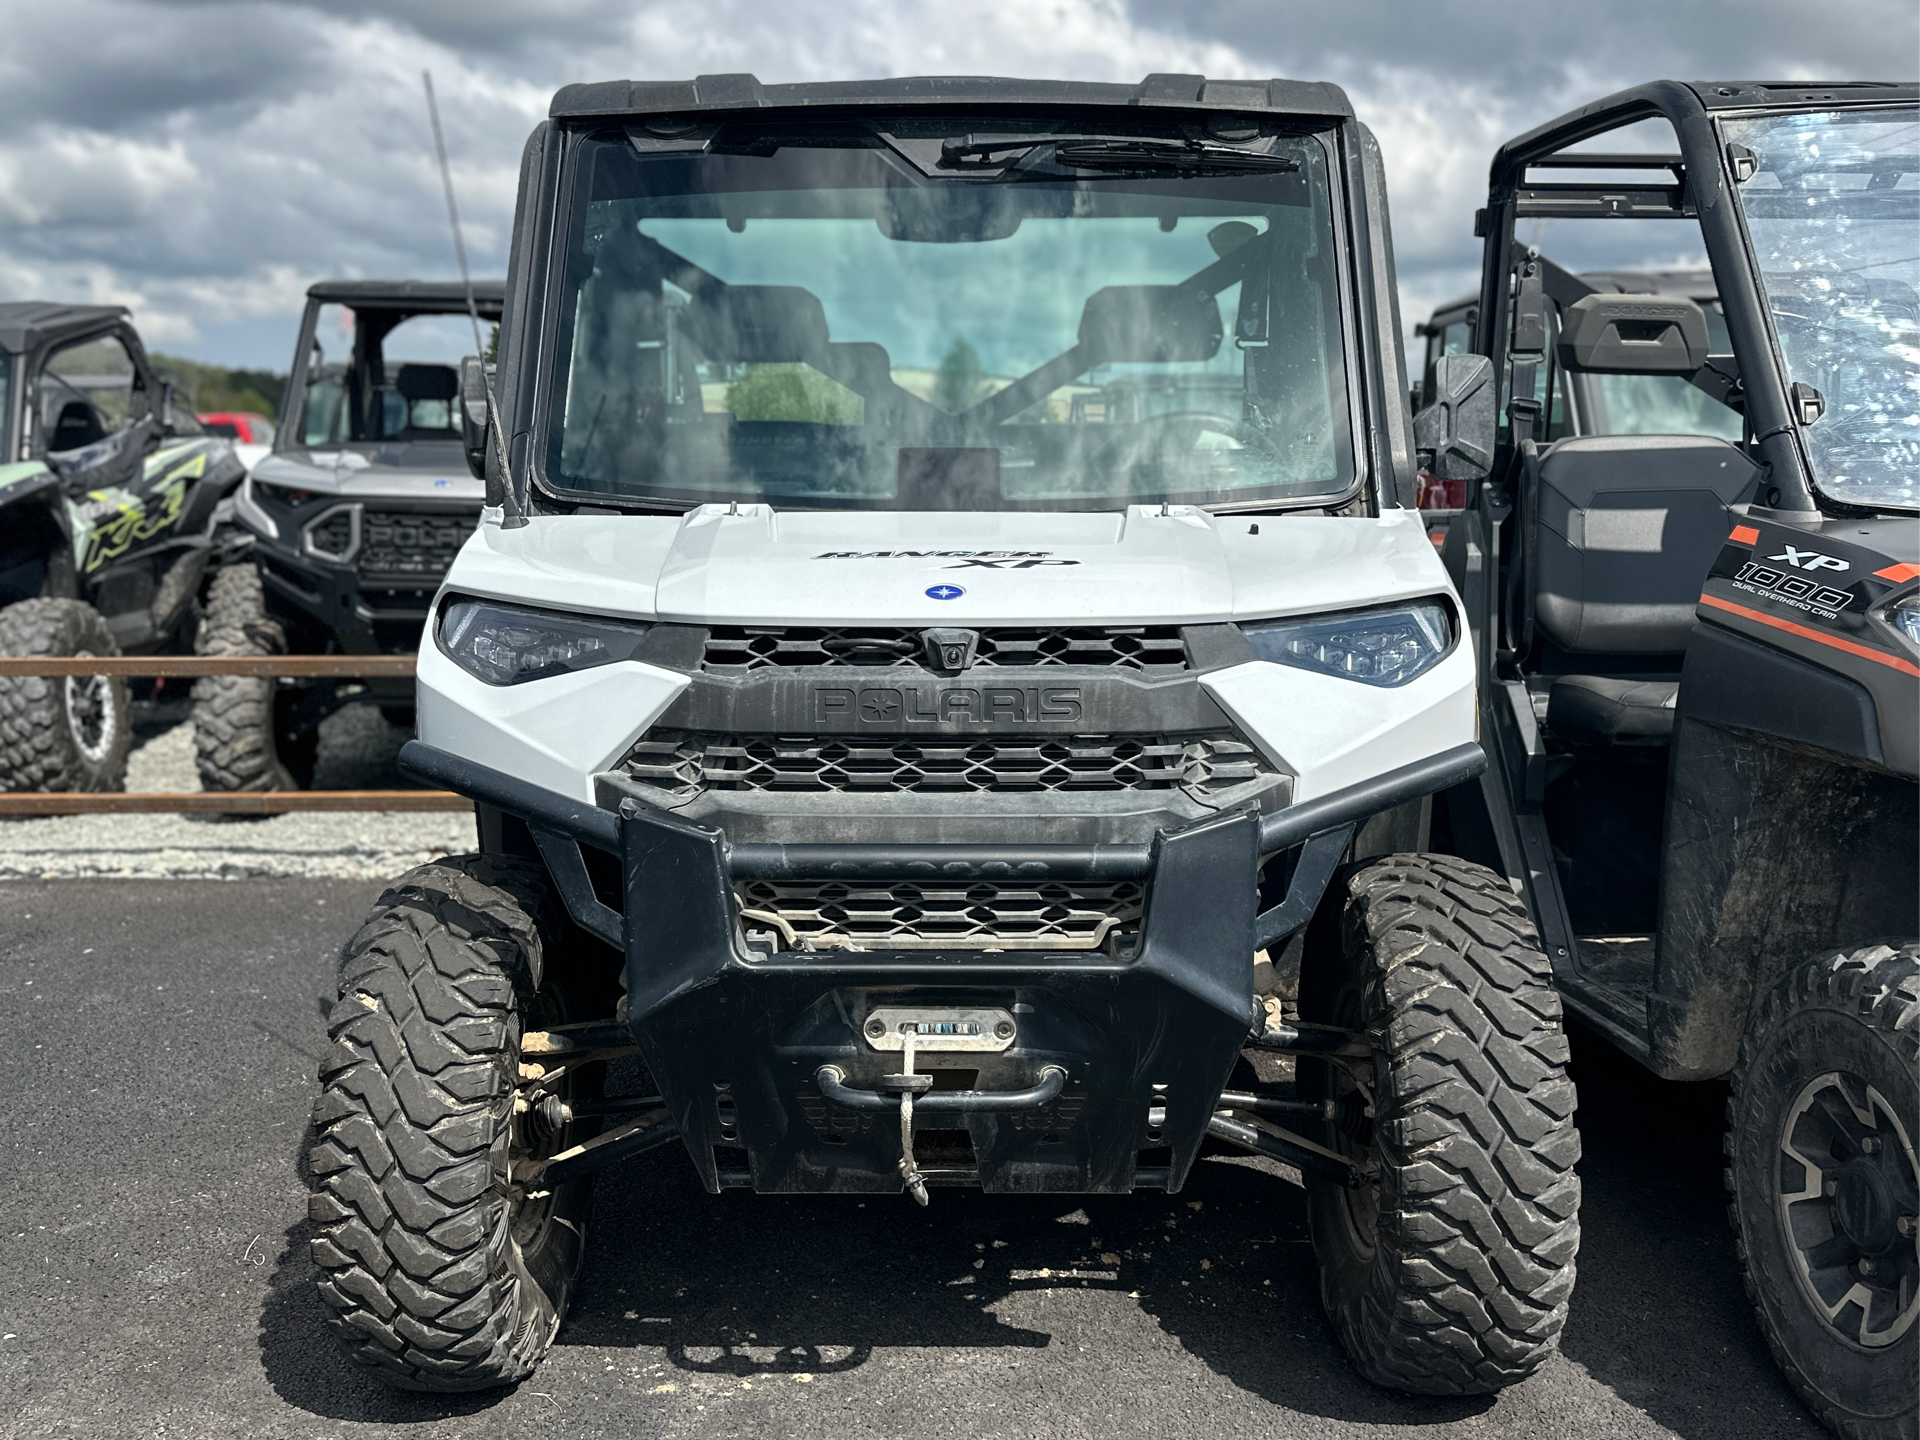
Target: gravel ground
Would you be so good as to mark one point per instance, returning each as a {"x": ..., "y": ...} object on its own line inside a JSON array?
[
  {"x": 158, "y": 1046},
  {"x": 357, "y": 752}
]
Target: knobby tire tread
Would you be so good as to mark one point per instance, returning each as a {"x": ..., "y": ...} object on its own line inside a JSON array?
[
  {"x": 37, "y": 752},
  {"x": 418, "y": 1273},
  {"x": 1479, "y": 1202},
  {"x": 233, "y": 731},
  {"x": 1880, "y": 984}
]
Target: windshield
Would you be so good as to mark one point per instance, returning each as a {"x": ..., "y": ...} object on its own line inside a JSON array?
[
  {"x": 382, "y": 374},
  {"x": 1833, "y": 208},
  {"x": 854, "y": 317}
]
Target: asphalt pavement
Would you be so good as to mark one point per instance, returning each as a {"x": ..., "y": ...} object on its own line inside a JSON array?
[{"x": 158, "y": 1040}]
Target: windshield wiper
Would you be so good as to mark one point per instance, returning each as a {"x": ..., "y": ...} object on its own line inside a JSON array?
[
  {"x": 1189, "y": 157},
  {"x": 980, "y": 152}
]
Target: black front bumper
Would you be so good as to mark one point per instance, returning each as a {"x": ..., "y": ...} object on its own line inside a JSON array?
[{"x": 737, "y": 1039}]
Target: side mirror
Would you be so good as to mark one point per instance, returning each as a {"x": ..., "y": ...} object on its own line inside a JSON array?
[
  {"x": 1634, "y": 335},
  {"x": 476, "y": 412},
  {"x": 1454, "y": 434}
]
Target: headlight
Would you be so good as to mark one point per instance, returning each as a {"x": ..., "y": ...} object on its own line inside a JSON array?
[
  {"x": 505, "y": 645},
  {"x": 280, "y": 494},
  {"x": 1375, "y": 647},
  {"x": 1905, "y": 617}
]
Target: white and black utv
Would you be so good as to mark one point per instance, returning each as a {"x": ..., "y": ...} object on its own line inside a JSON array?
[
  {"x": 355, "y": 514},
  {"x": 114, "y": 513},
  {"x": 949, "y": 603},
  {"x": 1700, "y": 655}
]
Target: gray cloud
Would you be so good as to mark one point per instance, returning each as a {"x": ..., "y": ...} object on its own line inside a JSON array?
[
  {"x": 203, "y": 160},
  {"x": 111, "y": 65},
  {"x": 1532, "y": 51}
]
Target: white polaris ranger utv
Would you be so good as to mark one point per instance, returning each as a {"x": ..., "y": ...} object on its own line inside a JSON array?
[{"x": 949, "y": 602}]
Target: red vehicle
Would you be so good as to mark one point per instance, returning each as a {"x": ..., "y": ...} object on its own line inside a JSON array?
[{"x": 241, "y": 426}]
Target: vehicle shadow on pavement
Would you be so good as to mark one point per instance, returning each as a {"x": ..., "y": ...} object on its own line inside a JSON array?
[
  {"x": 743, "y": 1286},
  {"x": 1659, "y": 1312},
  {"x": 770, "y": 1284}
]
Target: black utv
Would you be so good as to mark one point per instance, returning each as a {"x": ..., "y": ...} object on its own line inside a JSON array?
[
  {"x": 1700, "y": 652},
  {"x": 355, "y": 516},
  {"x": 113, "y": 516}
]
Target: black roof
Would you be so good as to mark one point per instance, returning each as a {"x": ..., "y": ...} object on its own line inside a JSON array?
[
  {"x": 1751, "y": 94},
  {"x": 28, "y": 323},
  {"x": 1694, "y": 284},
  {"x": 1680, "y": 97},
  {"x": 611, "y": 98},
  {"x": 449, "y": 296}
]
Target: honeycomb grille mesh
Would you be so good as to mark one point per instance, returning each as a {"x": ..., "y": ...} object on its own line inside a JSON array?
[
  {"x": 394, "y": 542},
  {"x": 1135, "y": 647},
  {"x": 686, "y": 765},
  {"x": 909, "y": 916}
]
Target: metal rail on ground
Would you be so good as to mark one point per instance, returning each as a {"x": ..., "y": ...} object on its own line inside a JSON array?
[{"x": 217, "y": 802}]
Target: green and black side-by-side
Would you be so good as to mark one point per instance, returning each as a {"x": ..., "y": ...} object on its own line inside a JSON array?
[{"x": 114, "y": 529}]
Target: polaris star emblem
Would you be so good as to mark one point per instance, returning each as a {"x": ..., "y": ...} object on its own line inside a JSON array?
[
  {"x": 880, "y": 705},
  {"x": 944, "y": 592}
]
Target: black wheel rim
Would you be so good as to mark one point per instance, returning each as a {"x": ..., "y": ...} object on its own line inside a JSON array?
[
  {"x": 1351, "y": 1133},
  {"x": 1849, "y": 1194}
]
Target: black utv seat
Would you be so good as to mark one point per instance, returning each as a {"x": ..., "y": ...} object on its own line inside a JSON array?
[
  {"x": 435, "y": 383},
  {"x": 77, "y": 427},
  {"x": 1624, "y": 528},
  {"x": 1622, "y": 531}
]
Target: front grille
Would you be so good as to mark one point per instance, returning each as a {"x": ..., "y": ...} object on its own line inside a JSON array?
[
  {"x": 394, "y": 542},
  {"x": 1128, "y": 647},
  {"x": 825, "y": 915},
  {"x": 687, "y": 765}
]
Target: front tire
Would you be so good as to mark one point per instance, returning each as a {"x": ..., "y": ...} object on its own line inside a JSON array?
[
  {"x": 61, "y": 733},
  {"x": 440, "y": 1268},
  {"x": 1449, "y": 1270},
  {"x": 1821, "y": 1129},
  {"x": 240, "y": 739}
]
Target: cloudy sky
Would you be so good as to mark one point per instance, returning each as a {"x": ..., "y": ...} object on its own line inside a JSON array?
[{"x": 202, "y": 161}]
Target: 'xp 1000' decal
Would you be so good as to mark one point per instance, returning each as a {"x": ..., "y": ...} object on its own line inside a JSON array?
[
  {"x": 897, "y": 705},
  {"x": 968, "y": 559},
  {"x": 1800, "y": 591}
]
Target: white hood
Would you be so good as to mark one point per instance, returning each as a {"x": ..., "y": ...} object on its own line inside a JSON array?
[{"x": 753, "y": 565}]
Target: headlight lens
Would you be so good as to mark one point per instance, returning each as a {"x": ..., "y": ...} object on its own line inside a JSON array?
[
  {"x": 1375, "y": 647},
  {"x": 1905, "y": 617},
  {"x": 505, "y": 645}
]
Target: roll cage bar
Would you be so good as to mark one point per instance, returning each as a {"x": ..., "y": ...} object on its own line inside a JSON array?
[{"x": 1700, "y": 187}]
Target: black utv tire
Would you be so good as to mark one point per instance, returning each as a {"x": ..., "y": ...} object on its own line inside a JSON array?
[
  {"x": 1447, "y": 1272},
  {"x": 239, "y": 740},
  {"x": 61, "y": 733},
  {"x": 1821, "y": 1129},
  {"x": 437, "y": 1270}
]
